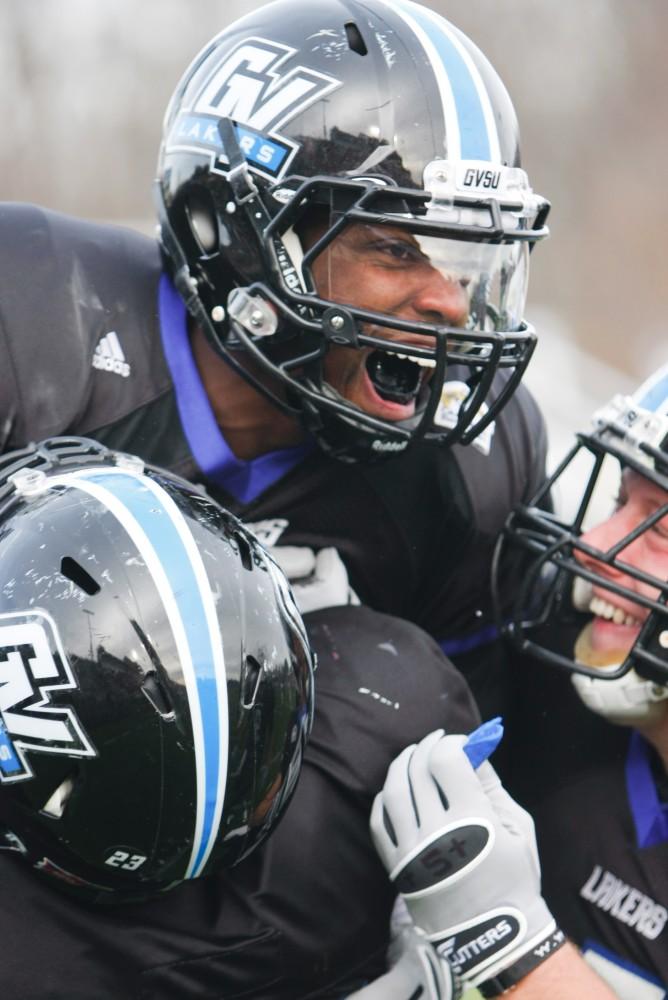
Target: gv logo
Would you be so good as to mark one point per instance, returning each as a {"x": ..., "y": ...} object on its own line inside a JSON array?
[
  {"x": 249, "y": 89},
  {"x": 28, "y": 672}
]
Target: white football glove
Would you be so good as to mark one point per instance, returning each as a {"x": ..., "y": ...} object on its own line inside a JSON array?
[
  {"x": 416, "y": 973},
  {"x": 317, "y": 580},
  {"x": 463, "y": 855}
]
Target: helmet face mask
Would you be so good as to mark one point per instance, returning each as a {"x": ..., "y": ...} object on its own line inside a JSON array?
[
  {"x": 146, "y": 735},
  {"x": 242, "y": 179},
  {"x": 574, "y": 575}
]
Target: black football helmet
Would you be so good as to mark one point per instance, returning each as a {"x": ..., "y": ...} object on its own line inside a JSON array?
[
  {"x": 311, "y": 120},
  {"x": 156, "y": 683},
  {"x": 554, "y": 602}
]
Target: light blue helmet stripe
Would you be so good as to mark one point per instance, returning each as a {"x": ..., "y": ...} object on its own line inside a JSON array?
[
  {"x": 165, "y": 542},
  {"x": 469, "y": 119}
]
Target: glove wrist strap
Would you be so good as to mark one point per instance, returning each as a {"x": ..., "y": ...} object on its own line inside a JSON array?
[{"x": 509, "y": 977}]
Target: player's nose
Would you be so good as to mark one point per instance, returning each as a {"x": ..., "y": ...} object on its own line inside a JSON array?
[{"x": 441, "y": 299}]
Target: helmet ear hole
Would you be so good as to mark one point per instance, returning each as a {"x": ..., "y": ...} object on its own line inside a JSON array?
[
  {"x": 75, "y": 572},
  {"x": 355, "y": 41},
  {"x": 251, "y": 682},
  {"x": 245, "y": 553}
]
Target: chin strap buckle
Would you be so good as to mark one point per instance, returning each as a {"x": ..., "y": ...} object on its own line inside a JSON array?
[{"x": 252, "y": 313}]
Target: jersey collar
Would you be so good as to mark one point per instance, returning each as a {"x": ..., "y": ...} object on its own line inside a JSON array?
[{"x": 244, "y": 480}]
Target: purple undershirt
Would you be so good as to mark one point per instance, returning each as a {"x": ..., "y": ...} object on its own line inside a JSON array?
[{"x": 244, "y": 480}]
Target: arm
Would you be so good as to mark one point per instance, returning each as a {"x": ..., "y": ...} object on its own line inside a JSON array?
[
  {"x": 562, "y": 976},
  {"x": 462, "y": 853},
  {"x": 418, "y": 972}
]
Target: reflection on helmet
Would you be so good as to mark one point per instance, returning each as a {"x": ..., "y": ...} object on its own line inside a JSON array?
[
  {"x": 555, "y": 566},
  {"x": 156, "y": 681},
  {"x": 304, "y": 122}
]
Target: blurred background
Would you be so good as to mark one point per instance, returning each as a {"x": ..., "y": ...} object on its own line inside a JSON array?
[{"x": 83, "y": 87}]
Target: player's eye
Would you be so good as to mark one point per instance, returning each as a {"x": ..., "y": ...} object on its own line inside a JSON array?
[
  {"x": 660, "y": 527},
  {"x": 399, "y": 251}
]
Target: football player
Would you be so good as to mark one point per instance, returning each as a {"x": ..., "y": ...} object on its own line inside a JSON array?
[
  {"x": 593, "y": 604},
  {"x": 335, "y": 306},
  {"x": 155, "y": 698},
  {"x": 329, "y": 337},
  {"x": 157, "y": 695}
]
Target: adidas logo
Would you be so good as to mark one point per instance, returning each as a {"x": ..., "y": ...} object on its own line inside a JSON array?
[{"x": 109, "y": 356}]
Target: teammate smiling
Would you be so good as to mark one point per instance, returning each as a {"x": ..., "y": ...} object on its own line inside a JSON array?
[{"x": 594, "y": 603}]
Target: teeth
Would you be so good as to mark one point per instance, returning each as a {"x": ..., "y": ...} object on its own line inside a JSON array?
[
  {"x": 423, "y": 362},
  {"x": 603, "y": 609}
]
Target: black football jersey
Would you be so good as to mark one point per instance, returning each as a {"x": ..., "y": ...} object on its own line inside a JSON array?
[
  {"x": 93, "y": 341},
  {"x": 305, "y": 916},
  {"x": 599, "y": 799}
]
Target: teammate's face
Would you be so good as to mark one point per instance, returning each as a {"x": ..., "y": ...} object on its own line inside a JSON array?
[
  {"x": 617, "y": 620},
  {"x": 384, "y": 269}
]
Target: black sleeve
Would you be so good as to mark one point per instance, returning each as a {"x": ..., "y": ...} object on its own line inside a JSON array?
[
  {"x": 381, "y": 684},
  {"x": 307, "y": 915},
  {"x": 64, "y": 284},
  {"x": 44, "y": 313}
]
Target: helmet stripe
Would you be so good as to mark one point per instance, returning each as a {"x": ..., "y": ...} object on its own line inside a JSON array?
[
  {"x": 471, "y": 130},
  {"x": 168, "y": 548}
]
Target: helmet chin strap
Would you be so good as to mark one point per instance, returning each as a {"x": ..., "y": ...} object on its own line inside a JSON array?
[{"x": 630, "y": 700}]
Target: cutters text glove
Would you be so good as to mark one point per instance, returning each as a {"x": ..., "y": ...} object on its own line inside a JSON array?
[{"x": 463, "y": 855}]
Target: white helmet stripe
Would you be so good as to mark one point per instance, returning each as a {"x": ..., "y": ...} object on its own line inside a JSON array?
[
  {"x": 471, "y": 131},
  {"x": 164, "y": 541}
]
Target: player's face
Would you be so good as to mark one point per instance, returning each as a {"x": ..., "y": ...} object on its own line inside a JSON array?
[
  {"x": 385, "y": 269},
  {"x": 617, "y": 620}
]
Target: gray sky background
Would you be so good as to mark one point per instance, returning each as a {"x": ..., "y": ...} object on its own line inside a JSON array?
[{"x": 84, "y": 84}]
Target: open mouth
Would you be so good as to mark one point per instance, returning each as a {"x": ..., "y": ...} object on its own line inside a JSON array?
[
  {"x": 396, "y": 377},
  {"x": 606, "y": 639}
]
